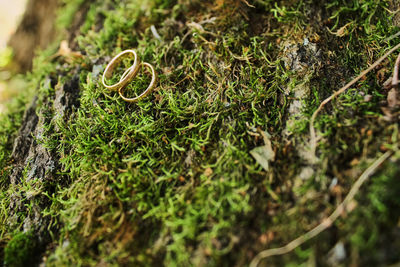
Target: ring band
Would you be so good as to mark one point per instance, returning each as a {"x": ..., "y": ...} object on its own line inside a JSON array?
[
  {"x": 128, "y": 74},
  {"x": 149, "y": 88},
  {"x": 127, "y": 71}
]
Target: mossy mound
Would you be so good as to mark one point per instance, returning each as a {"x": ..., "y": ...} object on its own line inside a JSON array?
[
  {"x": 214, "y": 166},
  {"x": 22, "y": 250}
]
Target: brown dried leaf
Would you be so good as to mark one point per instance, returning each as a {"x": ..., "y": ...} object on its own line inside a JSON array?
[
  {"x": 388, "y": 83},
  {"x": 208, "y": 172},
  {"x": 343, "y": 31},
  {"x": 388, "y": 114},
  {"x": 264, "y": 154},
  {"x": 392, "y": 98},
  {"x": 66, "y": 52}
]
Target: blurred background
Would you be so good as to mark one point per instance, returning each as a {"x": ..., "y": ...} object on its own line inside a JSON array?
[
  {"x": 11, "y": 12},
  {"x": 26, "y": 26}
]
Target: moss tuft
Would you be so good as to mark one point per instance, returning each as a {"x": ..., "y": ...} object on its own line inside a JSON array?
[{"x": 21, "y": 250}]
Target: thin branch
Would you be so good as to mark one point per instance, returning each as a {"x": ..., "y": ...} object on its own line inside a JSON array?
[
  {"x": 313, "y": 140},
  {"x": 394, "y": 35},
  {"x": 247, "y": 3},
  {"x": 326, "y": 223},
  {"x": 395, "y": 79}
]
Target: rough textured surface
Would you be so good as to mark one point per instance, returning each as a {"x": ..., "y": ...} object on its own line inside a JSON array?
[
  {"x": 28, "y": 152},
  {"x": 66, "y": 99},
  {"x": 36, "y": 165},
  {"x": 24, "y": 139}
]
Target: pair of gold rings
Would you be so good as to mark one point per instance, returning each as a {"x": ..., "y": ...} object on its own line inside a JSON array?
[{"x": 128, "y": 75}]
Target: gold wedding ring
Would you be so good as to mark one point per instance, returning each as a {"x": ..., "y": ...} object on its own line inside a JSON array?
[
  {"x": 128, "y": 75},
  {"x": 147, "y": 91}
]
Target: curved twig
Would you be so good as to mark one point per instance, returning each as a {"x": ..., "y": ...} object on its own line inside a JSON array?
[
  {"x": 326, "y": 223},
  {"x": 313, "y": 137}
]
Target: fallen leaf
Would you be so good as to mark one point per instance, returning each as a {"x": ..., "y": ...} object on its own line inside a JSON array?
[
  {"x": 388, "y": 113},
  {"x": 189, "y": 158},
  {"x": 343, "y": 30},
  {"x": 66, "y": 52},
  {"x": 208, "y": 172},
  {"x": 388, "y": 83},
  {"x": 266, "y": 238},
  {"x": 392, "y": 98},
  {"x": 264, "y": 154}
]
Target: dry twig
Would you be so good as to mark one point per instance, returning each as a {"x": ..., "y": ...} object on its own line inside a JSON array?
[
  {"x": 326, "y": 223},
  {"x": 395, "y": 79},
  {"x": 313, "y": 140},
  {"x": 355, "y": 188},
  {"x": 247, "y": 3}
]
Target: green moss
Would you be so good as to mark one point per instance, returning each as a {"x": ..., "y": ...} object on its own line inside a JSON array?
[
  {"x": 66, "y": 15},
  {"x": 379, "y": 220},
  {"x": 170, "y": 180},
  {"x": 21, "y": 250}
]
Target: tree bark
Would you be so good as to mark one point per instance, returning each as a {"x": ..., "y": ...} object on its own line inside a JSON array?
[{"x": 36, "y": 31}]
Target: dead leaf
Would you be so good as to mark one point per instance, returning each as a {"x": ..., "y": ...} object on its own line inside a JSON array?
[
  {"x": 264, "y": 154},
  {"x": 388, "y": 114},
  {"x": 65, "y": 51},
  {"x": 266, "y": 237},
  {"x": 343, "y": 30},
  {"x": 392, "y": 98},
  {"x": 208, "y": 172},
  {"x": 388, "y": 83},
  {"x": 189, "y": 158}
]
